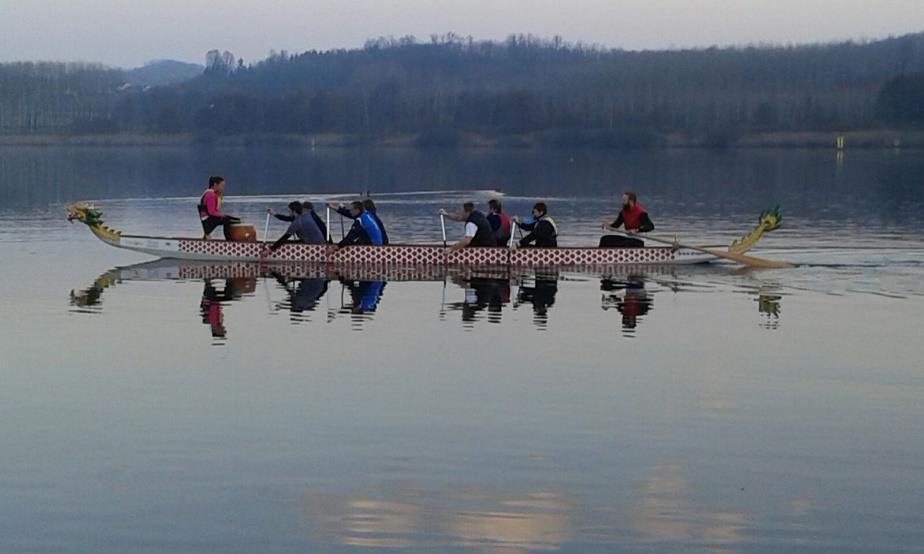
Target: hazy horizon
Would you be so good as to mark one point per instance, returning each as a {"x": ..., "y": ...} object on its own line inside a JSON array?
[{"x": 118, "y": 34}]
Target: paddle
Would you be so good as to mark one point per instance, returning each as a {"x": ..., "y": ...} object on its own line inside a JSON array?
[
  {"x": 443, "y": 225},
  {"x": 740, "y": 258},
  {"x": 266, "y": 226},
  {"x": 328, "y": 224}
]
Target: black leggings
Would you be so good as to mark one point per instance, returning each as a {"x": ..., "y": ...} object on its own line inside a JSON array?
[
  {"x": 616, "y": 241},
  {"x": 211, "y": 222}
]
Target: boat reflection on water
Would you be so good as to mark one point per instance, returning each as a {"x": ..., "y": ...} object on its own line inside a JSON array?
[
  {"x": 485, "y": 293},
  {"x": 630, "y": 298}
]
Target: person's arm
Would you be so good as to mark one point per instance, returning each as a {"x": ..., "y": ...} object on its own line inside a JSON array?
[
  {"x": 455, "y": 216},
  {"x": 526, "y": 226},
  {"x": 528, "y": 239},
  {"x": 463, "y": 243},
  {"x": 646, "y": 224},
  {"x": 281, "y": 241},
  {"x": 355, "y": 234},
  {"x": 283, "y": 217},
  {"x": 211, "y": 205},
  {"x": 617, "y": 223},
  {"x": 344, "y": 211},
  {"x": 470, "y": 230}
]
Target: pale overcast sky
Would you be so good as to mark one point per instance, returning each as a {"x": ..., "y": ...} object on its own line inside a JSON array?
[{"x": 131, "y": 32}]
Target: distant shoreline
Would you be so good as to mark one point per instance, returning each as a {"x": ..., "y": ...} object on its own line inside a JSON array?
[{"x": 866, "y": 139}]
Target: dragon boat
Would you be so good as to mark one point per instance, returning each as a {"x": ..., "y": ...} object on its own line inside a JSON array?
[{"x": 408, "y": 254}]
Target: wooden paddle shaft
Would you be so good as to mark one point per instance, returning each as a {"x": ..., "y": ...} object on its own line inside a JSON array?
[{"x": 740, "y": 258}]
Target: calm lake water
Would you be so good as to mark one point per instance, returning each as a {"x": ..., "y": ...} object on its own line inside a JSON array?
[{"x": 152, "y": 406}]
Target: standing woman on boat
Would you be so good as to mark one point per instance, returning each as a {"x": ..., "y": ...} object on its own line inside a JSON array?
[
  {"x": 209, "y": 213},
  {"x": 634, "y": 218},
  {"x": 543, "y": 231}
]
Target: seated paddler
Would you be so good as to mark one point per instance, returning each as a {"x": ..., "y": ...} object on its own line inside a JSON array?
[
  {"x": 543, "y": 232},
  {"x": 303, "y": 227},
  {"x": 478, "y": 230},
  {"x": 210, "y": 213},
  {"x": 308, "y": 208},
  {"x": 365, "y": 229},
  {"x": 369, "y": 206},
  {"x": 633, "y": 218}
]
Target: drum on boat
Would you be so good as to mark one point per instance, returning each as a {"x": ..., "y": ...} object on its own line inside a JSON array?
[{"x": 242, "y": 232}]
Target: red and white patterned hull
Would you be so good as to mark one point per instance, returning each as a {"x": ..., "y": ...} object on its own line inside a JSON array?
[{"x": 407, "y": 255}]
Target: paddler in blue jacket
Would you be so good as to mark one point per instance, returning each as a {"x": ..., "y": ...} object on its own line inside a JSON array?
[
  {"x": 365, "y": 229},
  {"x": 369, "y": 206}
]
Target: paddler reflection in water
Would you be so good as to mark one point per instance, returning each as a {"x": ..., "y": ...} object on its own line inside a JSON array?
[
  {"x": 365, "y": 295},
  {"x": 633, "y": 217},
  {"x": 543, "y": 231},
  {"x": 210, "y": 213},
  {"x": 633, "y": 304},
  {"x": 482, "y": 293},
  {"x": 478, "y": 230},
  {"x": 541, "y": 295},
  {"x": 211, "y": 309},
  {"x": 304, "y": 293}
]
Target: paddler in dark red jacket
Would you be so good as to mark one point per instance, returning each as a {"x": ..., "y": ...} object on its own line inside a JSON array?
[
  {"x": 633, "y": 218},
  {"x": 499, "y": 221}
]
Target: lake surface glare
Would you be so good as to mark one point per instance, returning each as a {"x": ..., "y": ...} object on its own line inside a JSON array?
[{"x": 165, "y": 406}]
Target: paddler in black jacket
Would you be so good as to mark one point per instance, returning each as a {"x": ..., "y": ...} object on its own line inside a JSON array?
[
  {"x": 478, "y": 231},
  {"x": 543, "y": 231}
]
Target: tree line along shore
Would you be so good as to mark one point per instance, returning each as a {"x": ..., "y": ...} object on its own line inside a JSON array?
[
  {"x": 451, "y": 91},
  {"x": 873, "y": 139}
]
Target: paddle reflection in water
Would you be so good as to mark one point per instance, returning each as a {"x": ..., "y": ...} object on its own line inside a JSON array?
[{"x": 629, "y": 297}]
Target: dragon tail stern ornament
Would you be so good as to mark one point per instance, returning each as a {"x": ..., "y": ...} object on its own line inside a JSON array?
[{"x": 769, "y": 220}]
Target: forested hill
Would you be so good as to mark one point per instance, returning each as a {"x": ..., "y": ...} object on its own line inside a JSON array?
[{"x": 523, "y": 90}]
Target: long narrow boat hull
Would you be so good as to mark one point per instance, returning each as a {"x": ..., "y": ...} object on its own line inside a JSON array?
[
  {"x": 401, "y": 255},
  {"x": 405, "y": 254}
]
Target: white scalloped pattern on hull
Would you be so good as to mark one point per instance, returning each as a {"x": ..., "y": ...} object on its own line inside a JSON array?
[{"x": 425, "y": 255}]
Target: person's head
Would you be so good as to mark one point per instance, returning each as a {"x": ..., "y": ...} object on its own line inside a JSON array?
[
  {"x": 468, "y": 207},
  {"x": 540, "y": 209},
  {"x": 629, "y": 199},
  {"x": 494, "y": 205},
  {"x": 369, "y": 204},
  {"x": 296, "y": 207},
  {"x": 356, "y": 208},
  {"x": 308, "y": 206},
  {"x": 217, "y": 183}
]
